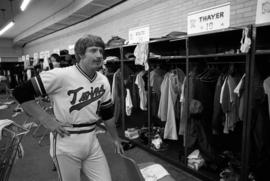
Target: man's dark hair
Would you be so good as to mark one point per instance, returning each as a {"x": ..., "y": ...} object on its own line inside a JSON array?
[{"x": 87, "y": 41}]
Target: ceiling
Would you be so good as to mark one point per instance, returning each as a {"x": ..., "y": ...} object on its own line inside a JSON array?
[{"x": 43, "y": 17}]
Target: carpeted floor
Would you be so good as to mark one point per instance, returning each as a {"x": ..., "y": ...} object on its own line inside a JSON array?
[{"x": 36, "y": 164}]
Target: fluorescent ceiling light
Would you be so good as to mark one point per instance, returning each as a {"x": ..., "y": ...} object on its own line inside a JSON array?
[
  {"x": 7, "y": 27},
  {"x": 24, "y": 4}
]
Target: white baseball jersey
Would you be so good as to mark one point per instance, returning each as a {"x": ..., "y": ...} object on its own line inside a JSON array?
[{"x": 76, "y": 97}]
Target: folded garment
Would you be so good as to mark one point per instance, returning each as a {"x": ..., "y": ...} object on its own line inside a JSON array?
[
  {"x": 154, "y": 172},
  {"x": 229, "y": 174},
  {"x": 132, "y": 133},
  {"x": 156, "y": 141},
  {"x": 195, "y": 160},
  {"x": 163, "y": 147},
  {"x": 194, "y": 155}
]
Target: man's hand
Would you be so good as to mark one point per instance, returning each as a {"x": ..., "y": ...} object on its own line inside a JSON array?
[
  {"x": 118, "y": 148},
  {"x": 57, "y": 127},
  {"x": 49, "y": 122},
  {"x": 110, "y": 125}
]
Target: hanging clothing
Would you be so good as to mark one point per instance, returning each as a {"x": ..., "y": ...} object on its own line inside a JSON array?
[
  {"x": 114, "y": 85},
  {"x": 156, "y": 78},
  {"x": 217, "y": 111},
  {"x": 178, "y": 84},
  {"x": 204, "y": 91},
  {"x": 245, "y": 41},
  {"x": 232, "y": 115},
  {"x": 202, "y": 88},
  {"x": 116, "y": 91},
  {"x": 163, "y": 103},
  {"x": 170, "y": 89},
  {"x": 239, "y": 85},
  {"x": 229, "y": 103},
  {"x": 184, "y": 103},
  {"x": 141, "y": 54},
  {"x": 28, "y": 74},
  {"x": 134, "y": 92},
  {"x": 46, "y": 65},
  {"x": 266, "y": 86},
  {"x": 239, "y": 90},
  {"x": 27, "y": 64},
  {"x": 129, "y": 104},
  {"x": 170, "y": 131},
  {"x": 142, "y": 92}
]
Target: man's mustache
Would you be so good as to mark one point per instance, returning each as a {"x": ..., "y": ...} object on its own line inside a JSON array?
[{"x": 98, "y": 59}]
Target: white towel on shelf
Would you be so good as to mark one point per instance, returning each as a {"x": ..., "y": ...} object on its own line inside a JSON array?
[{"x": 154, "y": 172}]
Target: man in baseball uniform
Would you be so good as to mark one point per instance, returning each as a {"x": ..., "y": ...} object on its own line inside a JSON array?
[{"x": 81, "y": 96}]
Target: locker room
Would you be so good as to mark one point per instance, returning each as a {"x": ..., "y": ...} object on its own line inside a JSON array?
[{"x": 134, "y": 90}]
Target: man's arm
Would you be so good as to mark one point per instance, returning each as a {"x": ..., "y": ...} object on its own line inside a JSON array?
[
  {"x": 110, "y": 125},
  {"x": 25, "y": 95},
  {"x": 47, "y": 120},
  {"x": 107, "y": 115}
]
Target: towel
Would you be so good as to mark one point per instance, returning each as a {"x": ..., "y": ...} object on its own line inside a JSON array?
[{"x": 154, "y": 172}]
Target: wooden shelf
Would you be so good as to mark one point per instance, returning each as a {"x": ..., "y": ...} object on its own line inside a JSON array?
[
  {"x": 184, "y": 37},
  {"x": 130, "y": 45},
  {"x": 262, "y": 25},
  {"x": 262, "y": 52},
  {"x": 157, "y": 40},
  {"x": 167, "y": 57},
  {"x": 152, "y": 41},
  {"x": 218, "y": 31},
  {"x": 112, "y": 61},
  {"x": 218, "y": 55},
  {"x": 125, "y": 60}
]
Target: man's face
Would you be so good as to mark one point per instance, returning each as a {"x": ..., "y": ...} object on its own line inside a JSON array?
[{"x": 93, "y": 58}]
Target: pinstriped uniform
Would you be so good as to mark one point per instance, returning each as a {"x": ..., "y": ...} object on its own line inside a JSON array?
[{"x": 77, "y": 99}]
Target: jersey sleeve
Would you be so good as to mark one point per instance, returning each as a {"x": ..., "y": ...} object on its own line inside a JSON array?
[
  {"x": 47, "y": 82},
  {"x": 106, "y": 105}
]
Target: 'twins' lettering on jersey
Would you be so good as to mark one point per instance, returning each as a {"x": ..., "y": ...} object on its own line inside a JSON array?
[{"x": 86, "y": 97}]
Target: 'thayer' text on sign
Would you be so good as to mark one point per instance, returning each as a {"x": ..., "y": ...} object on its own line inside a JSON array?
[{"x": 209, "y": 19}]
